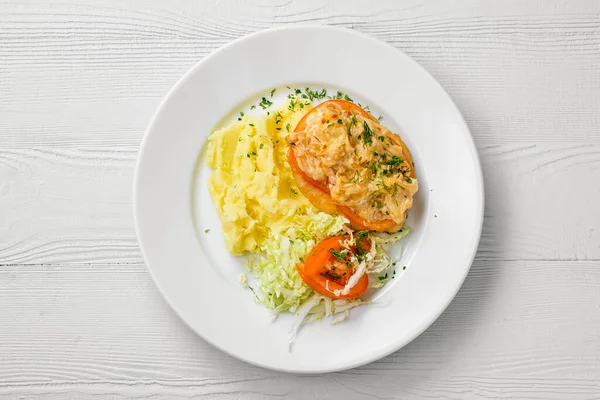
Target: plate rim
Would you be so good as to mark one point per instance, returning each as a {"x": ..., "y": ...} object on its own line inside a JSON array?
[{"x": 472, "y": 149}]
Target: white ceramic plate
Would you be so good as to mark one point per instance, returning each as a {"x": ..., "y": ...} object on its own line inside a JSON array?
[{"x": 199, "y": 279}]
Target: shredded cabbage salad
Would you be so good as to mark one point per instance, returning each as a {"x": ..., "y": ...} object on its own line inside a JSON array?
[{"x": 280, "y": 287}]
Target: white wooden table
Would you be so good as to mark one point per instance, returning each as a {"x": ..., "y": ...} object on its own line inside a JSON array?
[{"x": 79, "y": 315}]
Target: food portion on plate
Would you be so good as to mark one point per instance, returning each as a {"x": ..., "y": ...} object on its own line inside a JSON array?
[
  {"x": 344, "y": 160},
  {"x": 311, "y": 191}
]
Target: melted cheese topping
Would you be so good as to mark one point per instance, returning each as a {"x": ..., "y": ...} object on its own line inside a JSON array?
[{"x": 359, "y": 159}]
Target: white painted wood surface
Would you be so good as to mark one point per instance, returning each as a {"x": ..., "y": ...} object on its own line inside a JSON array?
[{"x": 79, "y": 316}]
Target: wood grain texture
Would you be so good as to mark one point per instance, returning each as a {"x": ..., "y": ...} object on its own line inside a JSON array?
[
  {"x": 93, "y": 73},
  {"x": 518, "y": 329},
  {"x": 79, "y": 316}
]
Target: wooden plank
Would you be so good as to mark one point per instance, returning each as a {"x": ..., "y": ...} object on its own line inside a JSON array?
[
  {"x": 63, "y": 206},
  {"x": 92, "y": 75},
  {"x": 67, "y": 206},
  {"x": 520, "y": 329}
]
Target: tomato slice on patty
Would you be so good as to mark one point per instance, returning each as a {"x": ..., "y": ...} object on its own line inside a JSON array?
[{"x": 318, "y": 193}]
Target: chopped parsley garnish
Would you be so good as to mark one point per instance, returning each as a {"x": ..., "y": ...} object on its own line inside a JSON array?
[
  {"x": 339, "y": 254},
  {"x": 241, "y": 115},
  {"x": 352, "y": 123},
  {"x": 273, "y": 92},
  {"x": 403, "y": 268},
  {"x": 293, "y": 103},
  {"x": 261, "y": 146},
  {"x": 251, "y": 124},
  {"x": 339, "y": 121},
  {"x": 361, "y": 235},
  {"x": 252, "y": 107},
  {"x": 367, "y": 134},
  {"x": 379, "y": 204},
  {"x": 395, "y": 160},
  {"x": 314, "y": 94},
  {"x": 373, "y": 166},
  {"x": 390, "y": 189},
  {"x": 340, "y": 96},
  {"x": 264, "y": 103},
  {"x": 206, "y": 230},
  {"x": 361, "y": 243},
  {"x": 253, "y": 153},
  {"x": 287, "y": 127},
  {"x": 294, "y": 191},
  {"x": 329, "y": 274},
  {"x": 382, "y": 278},
  {"x": 278, "y": 117}
]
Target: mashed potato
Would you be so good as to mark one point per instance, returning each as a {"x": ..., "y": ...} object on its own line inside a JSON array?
[{"x": 252, "y": 185}]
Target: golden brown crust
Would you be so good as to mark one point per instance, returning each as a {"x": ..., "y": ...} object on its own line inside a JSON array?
[{"x": 345, "y": 159}]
